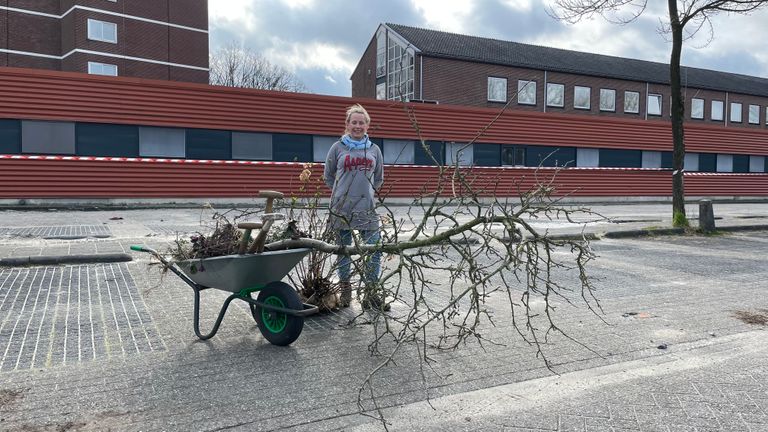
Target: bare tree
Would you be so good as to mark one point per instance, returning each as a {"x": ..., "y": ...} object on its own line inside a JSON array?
[
  {"x": 685, "y": 19},
  {"x": 237, "y": 66}
]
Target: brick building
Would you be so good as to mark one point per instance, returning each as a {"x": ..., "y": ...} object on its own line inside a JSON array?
[
  {"x": 446, "y": 68},
  {"x": 158, "y": 39}
]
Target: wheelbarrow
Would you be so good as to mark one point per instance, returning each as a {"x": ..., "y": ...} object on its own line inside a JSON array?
[{"x": 278, "y": 309}]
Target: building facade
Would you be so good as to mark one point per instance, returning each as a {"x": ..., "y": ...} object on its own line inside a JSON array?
[
  {"x": 158, "y": 39},
  {"x": 446, "y": 68},
  {"x": 414, "y": 64}
]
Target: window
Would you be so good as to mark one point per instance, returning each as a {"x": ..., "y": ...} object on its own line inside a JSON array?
[
  {"x": 581, "y": 96},
  {"x": 735, "y": 112},
  {"x": 486, "y": 154},
  {"x": 717, "y": 110},
  {"x": 513, "y": 155},
  {"x": 754, "y": 114},
  {"x": 691, "y": 162},
  {"x": 555, "y": 95},
  {"x": 651, "y": 159},
  {"x": 10, "y": 136},
  {"x": 162, "y": 142},
  {"x": 654, "y": 104},
  {"x": 209, "y": 144},
  {"x": 381, "y": 91},
  {"x": 95, "y": 68},
  {"x": 631, "y": 102},
  {"x": 381, "y": 55},
  {"x": 108, "y": 140},
  {"x": 47, "y": 137},
  {"x": 548, "y": 156},
  {"x": 622, "y": 158},
  {"x": 526, "y": 92},
  {"x": 587, "y": 157},
  {"x": 697, "y": 108},
  {"x": 398, "y": 151},
  {"x": 292, "y": 147},
  {"x": 724, "y": 163},
  {"x": 607, "y": 100},
  {"x": 460, "y": 153},
  {"x": 253, "y": 146},
  {"x": 102, "y": 31},
  {"x": 757, "y": 164},
  {"x": 399, "y": 71},
  {"x": 433, "y": 153},
  {"x": 497, "y": 89}
]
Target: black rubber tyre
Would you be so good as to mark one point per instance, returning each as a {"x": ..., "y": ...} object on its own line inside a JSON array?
[{"x": 279, "y": 328}]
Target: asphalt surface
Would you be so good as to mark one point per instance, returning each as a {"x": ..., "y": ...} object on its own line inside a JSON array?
[{"x": 679, "y": 344}]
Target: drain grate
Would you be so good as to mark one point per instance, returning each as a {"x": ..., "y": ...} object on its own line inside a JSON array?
[
  {"x": 58, "y": 232},
  {"x": 57, "y": 315}
]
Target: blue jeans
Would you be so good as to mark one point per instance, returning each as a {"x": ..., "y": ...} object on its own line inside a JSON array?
[{"x": 372, "y": 262}]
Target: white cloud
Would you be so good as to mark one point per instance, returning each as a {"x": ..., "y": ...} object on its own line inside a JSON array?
[
  {"x": 447, "y": 15},
  {"x": 315, "y": 55},
  {"x": 330, "y": 79}
]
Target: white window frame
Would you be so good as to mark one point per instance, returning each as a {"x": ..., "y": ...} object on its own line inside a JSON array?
[
  {"x": 735, "y": 113},
  {"x": 717, "y": 115},
  {"x": 381, "y": 91},
  {"x": 499, "y": 80},
  {"x": 561, "y": 87},
  {"x": 97, "y": 34},
  {"x": 700, "y": 102},
  {"x": 637, "y": 110},
  {"x": 524, "y": 92},
  {"x": 754, "y": 114},
  {"x": 660, "y": 99},
  {"x": 96, "y": 68},
  {"x": 612, "y": 93},
  {"x": 588, "y": 106}
]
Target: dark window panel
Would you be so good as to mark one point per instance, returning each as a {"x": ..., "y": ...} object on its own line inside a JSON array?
[
  {"x": 10, "y": 136},
  {"x": 422, "y": 158},
  {"x": 487, "y": 154},
  {"x": 621, "y": 158},
  {"x": 741, "y": 163},
  {"x": 550, "y": 156},
  {"x": 292, "y": 148},
  {"x": 209, "y": 144},
  {"x": 708, "y": 162},
  {"x": 666, "y": 159},
  {"x": 108, "y": 140}
]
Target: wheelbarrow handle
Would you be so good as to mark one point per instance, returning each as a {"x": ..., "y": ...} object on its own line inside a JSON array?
[
  {"x": 154, "y": 253},
  {"x": 169, "y": 265}
]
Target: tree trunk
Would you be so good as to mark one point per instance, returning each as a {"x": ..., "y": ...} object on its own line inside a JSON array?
[{"x": 678, "y": 113}]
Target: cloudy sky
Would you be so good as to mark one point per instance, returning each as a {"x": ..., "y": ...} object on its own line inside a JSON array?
[{"x": 321, "y": 41}]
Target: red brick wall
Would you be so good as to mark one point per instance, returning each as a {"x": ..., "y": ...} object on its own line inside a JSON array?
[
  {"x": 188, "y": 75},
  {"x": 3, "y": 33},
  {"x": 45, "y": 6},
  {"x": 190, "y": 13},
  {"x": 33, "y": 33},
  {"x": 364, "y": 76},
  {"x": 135, "y": 38},
  {"x": 188, "y": 47}
]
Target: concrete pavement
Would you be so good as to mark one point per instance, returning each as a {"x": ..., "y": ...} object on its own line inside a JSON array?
[{"x": 109, "y": 346}]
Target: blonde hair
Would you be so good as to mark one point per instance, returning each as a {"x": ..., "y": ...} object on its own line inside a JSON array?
[{"x": 358, "y": 109}]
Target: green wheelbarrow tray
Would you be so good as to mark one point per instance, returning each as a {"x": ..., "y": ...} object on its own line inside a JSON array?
[
  {"x": 235, "y": 273},
  {"x": 278, "y": 310}
]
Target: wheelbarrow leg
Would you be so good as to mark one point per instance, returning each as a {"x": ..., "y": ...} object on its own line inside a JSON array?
[{"x": 218, "y": 320}]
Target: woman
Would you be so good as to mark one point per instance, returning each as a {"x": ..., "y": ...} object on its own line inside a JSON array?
[{"x": 354, "y": 171}]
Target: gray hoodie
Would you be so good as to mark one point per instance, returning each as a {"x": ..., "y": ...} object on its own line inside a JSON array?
[{"x": 354, "y": 176}]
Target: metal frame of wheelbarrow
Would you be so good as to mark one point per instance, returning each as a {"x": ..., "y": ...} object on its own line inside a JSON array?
[{"x": 244, "y": 295}]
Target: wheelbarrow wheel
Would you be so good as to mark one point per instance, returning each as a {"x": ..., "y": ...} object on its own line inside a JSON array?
[{"x": 279, "y": 328}]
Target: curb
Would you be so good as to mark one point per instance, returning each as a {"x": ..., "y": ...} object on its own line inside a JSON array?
[{"x": 64, "y": 259}]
